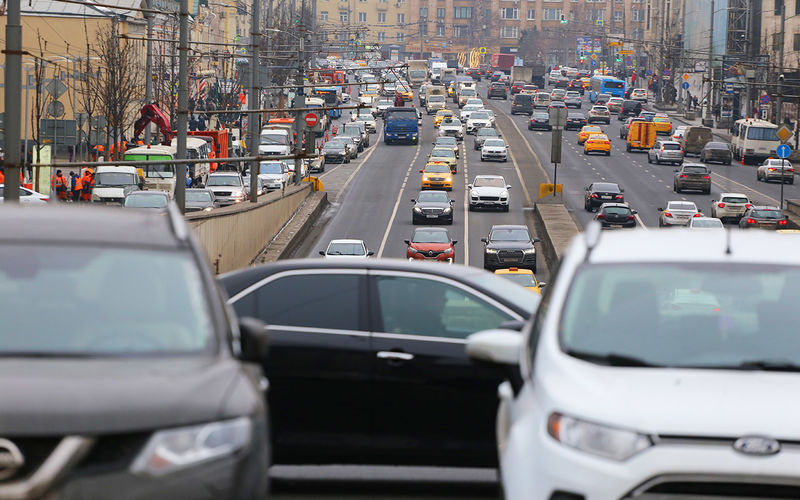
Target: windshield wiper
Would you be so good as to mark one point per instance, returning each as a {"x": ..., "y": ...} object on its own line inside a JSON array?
[
  {"x": 610, "y": 359},
  {"x": 775, "y": 365}
]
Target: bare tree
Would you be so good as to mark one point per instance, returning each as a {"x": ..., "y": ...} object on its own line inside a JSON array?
[
  {"x": 88, "y": 99},
  {"x": 39, "y": 103}
]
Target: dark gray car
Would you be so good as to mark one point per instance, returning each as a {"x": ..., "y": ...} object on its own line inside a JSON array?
[
  {"x": 509, "y": 246},
  {"x": 432, "y": 206},
  {"x": 152, "y": 200},
  {"x": 133, "y": 384},
  {"x": 200, "y": 200},
  {"x": 694, "y": 176},
  {"x": 482, "y": 134}
]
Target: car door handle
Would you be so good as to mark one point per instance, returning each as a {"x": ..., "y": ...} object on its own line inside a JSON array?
[{"x": 395, "y": 356}]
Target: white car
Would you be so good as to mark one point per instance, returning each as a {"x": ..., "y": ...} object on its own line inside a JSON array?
[
  {"x": 474, "y": 101},
  {"x": 730, "y": 206},
  {"x": 468, "y": 109},
  {"x": 478, "y": 119},
  {"x": 489, "y": 191},
  {"x": 274, "y": 174},
  {"x": 677, "y": 135},
  {"x": 369, "y": 121},
  {"x": 492, "y": 121},
  {"x": 452, "y": 127},
  {"x": 646, "y": 373},
  {"x": 26, "y": 196},
  {"x": 639, "y": 95},
  {"x": 346, "y": 249},
  {"x": 705, "y": 223},
  {"x": 677, "y": 213},
  {"x": 494, "y": 149},
  {"x": 383, "y": 105},
  {"x": 345, "y": 97},
  {"x": 775, "y": 169}
]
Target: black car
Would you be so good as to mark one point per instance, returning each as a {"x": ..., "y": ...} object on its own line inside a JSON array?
[
  {"x": 335, "y": 151},
  {"x": 146, "y": 396},
  {"x": 717, "y": 152},
  {"x": 575, "y": 121},
  {"x": 560, "y": 83},
  {"x": 629, "y": 109},
  {"x": 577, "y": 85},
  {"x": 367, "y": 360},
  {"x": 497, "y": 89},
  {"x": 598, "y": 193},
  {"x": 432, "y": 206},
  {"x": 475, "y": 73},
  {"x": 522, "y": 103},
  {"x": 540, "y": 121},
  {"x": 509, "y": 246},
  {"x": 198, "y": 200},
  {"x": 616, "y": 215}
]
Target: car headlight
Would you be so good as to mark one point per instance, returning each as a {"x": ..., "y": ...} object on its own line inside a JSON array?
[
  {"x": 412, "y": 250},
  {"x": 447, "y": 210},
  {"x": 528, "y": 251},
  {"x": 171, "y": 450},
  {"x": 596, "y": 439},
  {"x": 208, "y": 209},
  {"x": 418, "y": 210},
  {"x": 491, "y": 250},
  {"x": 448, "y": 251}
]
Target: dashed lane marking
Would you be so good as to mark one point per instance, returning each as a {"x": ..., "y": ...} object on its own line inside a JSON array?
[{"x": 399, "y": 197}]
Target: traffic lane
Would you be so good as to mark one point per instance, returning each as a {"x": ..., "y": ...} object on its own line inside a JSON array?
[{"x": 363, "y": 209}]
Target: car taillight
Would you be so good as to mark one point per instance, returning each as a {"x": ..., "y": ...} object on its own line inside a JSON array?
[
  {"x": 667, "y": 214},
  {"x": 706, "y": 177},
  {"x": 772, "y": 169},
  {"x": 696, "y": 215},
  {"x": 601, "y": 216},
  {"x": 748, "y": 205},
  {"x": 594, "y": 196},
  {"x": 782, "y": 222},
  {"x": 619, "y": 197},
  {"x": 721, "y": 205},
  {"x": 45, "y": 199},
  {"x": 749, "y": 151},
  {"x": 631, "y": 217},
  {"x": 751, "y": 221},
  {"x": 683, "y": 176},
  {"x": 790, "y": 170}
]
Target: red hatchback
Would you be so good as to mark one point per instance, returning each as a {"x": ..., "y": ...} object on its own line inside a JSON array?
[
  {"x": 431, "y": 243},
  {"x": 517, "y": 87}
]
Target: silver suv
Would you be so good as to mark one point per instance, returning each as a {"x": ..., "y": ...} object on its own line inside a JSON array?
[{"x": 665, "y": 152}]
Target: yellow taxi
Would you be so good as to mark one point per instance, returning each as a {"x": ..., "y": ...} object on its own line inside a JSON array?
[
  {"x": 444, "y": 155},
  {"x": 405, "y": 92},
  {"x": 587, "y": 82},
  {"x": 597, "y": 143},
  {"x": 451, "y": 89},
  {"x": 663, "y": 124},
  {"x": 588, "y": 130},
  {"x": 441, "y": 115},
  {"x": 437, "y": 175},
  {"x": 523, "y": 277}
]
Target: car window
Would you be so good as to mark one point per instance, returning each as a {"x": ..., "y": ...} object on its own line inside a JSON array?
[
  {"x": 681, "y": 205},
  {"x": 335, "y": 299},
  {"x": 430, "y": 236},
  {"x": 494, "y": 143},
  {"x": 437, "y": 169},
  {"x": 707, "y": 223},
  {"x": 671, "y": 147},
  {"x": 617, "y": 210},
  {"x": 421, "y": 306},
  {"x": 695, "y": 170},
  {"x": 734, "y": 199},
  {"x": 766, "y": 214},
  {"x": 489, "y": 182},
  {"x": 433, "y": 196},
  {"x": 509, "y": 234},
  {"x": 444, "y": 153}
]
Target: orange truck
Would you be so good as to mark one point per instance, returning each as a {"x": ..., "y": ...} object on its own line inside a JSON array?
[
  {"x": 641, "y": 135},
  {"x": 220, "y": 141}
]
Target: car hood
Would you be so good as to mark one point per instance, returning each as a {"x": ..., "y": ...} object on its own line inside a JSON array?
[
  {"x": 431, "y": 204},
  {"x": 489, "y": 191},
  {"x": 101, "y": 395},
  {"x": 197, "y": 205},
  {"x": 509, "y": 245},
  {"x": 424, "y": 247},
  {"x": 112, "y": 192},
  {"x": 270, "y": 177},
  {"x": 685, "y": 402},
  {"x": 233, "y": 189},
  {"x": 493, "y": 149}
]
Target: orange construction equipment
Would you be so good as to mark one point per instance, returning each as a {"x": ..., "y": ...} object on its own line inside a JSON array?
[{"x": 220, "y": 143}]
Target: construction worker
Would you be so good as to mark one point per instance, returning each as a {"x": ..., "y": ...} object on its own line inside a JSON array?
[
  {"x": 2, "y": 177},
  {"x": 77, "y": 187},
  {"x": 87, "y": 183},
  {"x": 60, "y": 183}
]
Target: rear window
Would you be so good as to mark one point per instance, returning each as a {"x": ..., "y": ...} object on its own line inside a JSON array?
[
  {"x": 695, "y": 170},
  {"x": 617, "y": 210},
  {"x": 670, "y": 147},
  {"x": 606, "y": 187},
  {"x": 767, "y": 214},
  {"x": 734, "y": 199},
  {"x": 717, "y": 145},
  {"x": 523, "y": 99}
]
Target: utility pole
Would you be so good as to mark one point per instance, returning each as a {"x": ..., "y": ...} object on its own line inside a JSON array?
[
  {"x": 13, "y": 96},
  {"x": 779, "y": 99},
  {"x": 254, "y": 100},
  {"x": 183, "y": 105},
  {"x": 709, "y": 120},
  {"x": 300, "y": 98},
  {"x": 148, "y": 67}
]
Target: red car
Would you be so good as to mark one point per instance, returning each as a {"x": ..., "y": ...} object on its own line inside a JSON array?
[
  {"x": 431, "y": 243},
  {"x": 517, "y": 87}
]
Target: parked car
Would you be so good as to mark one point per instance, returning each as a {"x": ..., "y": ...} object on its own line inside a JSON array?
[
  {"x": 665, "y": 151},
  {"x": 677, "y": 213},
  {"x": 509, "y": 245},
  {"x": 716, "y": 152},
  {"x": 151, "y": 200},
  {"x": 346, "y": 249},
  {"x": 764, "y": 217},
  {"x": 27, "y": 196},
  {"x": 497, "y": 89},
  {"x": 200, "y": 200},
  {"x": 432, "y": 206},
  {"x": 597, "y": 193},
  {"x": 152, "y": 394},
  {"x": 488, "y": 191},
  {"x": 694, "y": 176},
  {"x": 615, "y": 216},
  {"x": 540, "y": 121},
  {"x": 775, "y": 169},
  {"x": 730, "y": 206}
]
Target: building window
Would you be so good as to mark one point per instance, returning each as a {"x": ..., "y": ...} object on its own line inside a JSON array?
[
  {"x": 381, "y": 17},
  {"x": 343, "y": 17},
  {"x": 531, "y": 15},
  {"x": 401, "y": 37},
  {"x": 509, "y": 13},
  {"x": 595, "y": 14},
  {"x": 423, "y": 12},
  {"x": 777, "y": 41},
  {"x": 401, "y": 18},
  {"x": 423, "y": 29},
  {"x": 440, "y": 13},
  {"x": 617, "y": 15},
  {"x": 637, "y": 15},
  {"x": 323, "y": 15},
  {"x": 778, "y": 7},
  {"x": 551, "y": 14},
  {"x": 439, "y": 30},
  {"x": 797, "y": 7},
  {"x": 509, "y": 32},
  {"x": 460, "y": 30},
  {"x": 381, "y": 36},
  {"x": 462, "y": 12}
]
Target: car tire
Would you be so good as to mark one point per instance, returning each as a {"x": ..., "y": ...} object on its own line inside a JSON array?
[
  {"x": 608, "y": 153},
  {"x": 450, "y": 221},
  {"x": 505, "y": 208},
  {"x": 649, "y": 160},
  {"x": 471, "y": 207},
  {"x": 629, "y": 149}
]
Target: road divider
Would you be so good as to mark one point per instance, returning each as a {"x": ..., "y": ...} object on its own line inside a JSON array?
[{"x": 556, "y": 228}]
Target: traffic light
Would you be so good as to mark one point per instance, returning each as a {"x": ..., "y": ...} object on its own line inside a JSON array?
[
  {"x": 619, "y": 58},
  {"x": 563, "y": 19},
  {"x": 582, "y": 60}
]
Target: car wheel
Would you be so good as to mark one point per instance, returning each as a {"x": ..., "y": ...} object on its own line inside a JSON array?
[
  {"x": 608, "y": 153},
  {"x": 450, "y": 221},
  {"x": 471, "y": 207},
  {"x": 505, "y": 208},
  {"x": 585, "y": 153},
  {"x": 649, "y": 160},
  {"x": 628, "y": 148}
]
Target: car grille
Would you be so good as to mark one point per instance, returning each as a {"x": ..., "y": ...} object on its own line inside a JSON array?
[
  {"x": 223, "y": 193},
  {"x": 436, "y": 179},
  {"x": 726, "y": 488},
  {"x": 510, "y": 255},
  {"x": 431, "y": 253},
  {"x": 489, "y": 198},
  {"x": 432, "y": 211}
]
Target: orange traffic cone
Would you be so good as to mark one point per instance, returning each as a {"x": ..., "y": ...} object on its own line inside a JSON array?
[{"x": 742, "y": 154}]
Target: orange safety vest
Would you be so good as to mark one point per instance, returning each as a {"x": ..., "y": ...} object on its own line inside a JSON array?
[
  {"x": 2, "y": 178},
  {"x": 61, "y": 182},
  {"x": 78, "y": 183}
]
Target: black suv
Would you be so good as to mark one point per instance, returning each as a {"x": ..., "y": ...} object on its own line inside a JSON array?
[
  {"x": 522, "y": 103},
  {"x": 575, "y": 121},
  {"x": 540, "y": 120},
  {"x": 123, "y": 365},
  {"x": 497, "y": 89},
  {"x": 509, "y": 246},
  {"x": 629, "y": 109}
]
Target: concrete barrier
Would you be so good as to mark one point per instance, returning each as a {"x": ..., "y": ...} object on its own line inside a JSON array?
[
  {"x": 556, "y": 228},
  {"x": 233, "y": 236}
]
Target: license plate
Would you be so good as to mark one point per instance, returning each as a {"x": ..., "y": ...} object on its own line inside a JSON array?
[
  {"x": 605, "y": 197},
  {"x": 430, "y": 216},
  {"x": 510, "y": 260},
  {"x": 615, "y": 226}
]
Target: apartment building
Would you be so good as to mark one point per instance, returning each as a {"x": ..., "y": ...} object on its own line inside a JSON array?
[{"x": 373, "y": 22}]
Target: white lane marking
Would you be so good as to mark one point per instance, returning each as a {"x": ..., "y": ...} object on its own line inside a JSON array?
[
  {"x": 466, "y": 211},
  {"x": 372, "y": 148},
  {"x": 519, "y": 174},
  {"x": 742, "y": 187},
  {"x": 399, "y": 197}
]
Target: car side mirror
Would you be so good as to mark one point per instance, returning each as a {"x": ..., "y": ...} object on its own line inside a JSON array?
[
  {"x": 370, "y": 253},
  {"x": 322, "y": 252},
  {"x": 536, "y": 240},
  {"x": 498, "y": 346},
  {"x": 469, "y": 186},
  {"x": 452, "y": 201},
  {"x": 676, "y": 170},
  {"x": 621, "y": 190},
  {"x": 455, "y": 241},
  {"x": 484, "y": 240},
  {"x": 508, "y": 186},
  {"x": 254, "y": 339},
  {"x": 420, "y": 171},
  {"x": 542, "y": 284},
  {"x": 413, "y": 200},
  {"x": 634, "y": 212},
  {"x": 660, "y": 209},
  {"x": 407, "y": 242},
  {"x": 586, "y": 189}
]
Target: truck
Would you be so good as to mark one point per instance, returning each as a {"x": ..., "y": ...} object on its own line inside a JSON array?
[
  {"x": 400, "y": 125},
  {"x": 417, "y": 72},
  {"x": 503, "y": 62},
  {"x": 538, "y": 71},
  {"x": 521, "y": 74},
  {"x": 436, "y": 70}
]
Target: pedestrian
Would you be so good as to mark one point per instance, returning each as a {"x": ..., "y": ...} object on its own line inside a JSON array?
[
  {"x": 188, "y": 179},
  {"x": 398, "y": 100},
  {"x": 77, "y": 186},
  {"x": 60, "y": 183},
  {"x": 689, "y": 100},
  {"x": 87, "y": 183},
  {"x": 695, "y": 102}
]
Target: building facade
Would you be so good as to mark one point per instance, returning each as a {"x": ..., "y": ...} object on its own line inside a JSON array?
[{"x": 374, "y": 23}]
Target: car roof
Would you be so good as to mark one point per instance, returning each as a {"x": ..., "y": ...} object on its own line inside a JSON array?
[
  {"x": 345, "y": 240},
  {"x": 98, "y": 225},
  {"x": 734, "y": 194},
  {"x": 509, "y": 226},
  {"x": 147, "y": 193},
  {"x": 489, "y": 176},
  {"x": 621, "y": 205}
]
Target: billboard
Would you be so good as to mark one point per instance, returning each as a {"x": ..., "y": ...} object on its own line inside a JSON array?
[{"x": 586, "y": 46}]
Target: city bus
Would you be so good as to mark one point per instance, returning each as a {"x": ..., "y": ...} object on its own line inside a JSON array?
[
  {"x": 602, "y": 84},
  {"x": 332, "y": 96},
  {"x": 754, "y": 139}
]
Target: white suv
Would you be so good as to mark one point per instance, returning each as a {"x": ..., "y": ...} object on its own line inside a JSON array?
[
  {"x": 645, "y": 374},
  {"x": 731, "y": 206}
]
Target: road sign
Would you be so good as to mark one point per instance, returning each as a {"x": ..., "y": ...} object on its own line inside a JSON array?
[
  {"x": 594, "y": 56},
  {"x": 729, "y": 88},
  {"x": 628, "y": 61},
  {"x": 686, "y": 76},
  {"x": 784, "y": 133},
  {"x": 558, "y": 117},
  {"x": 648, "y": 72},
  {"x": 311, "y": 120},
  {"x": 783, "y": 151},
  {"x": 599, "y": 22},
  {"x": 667, "y": 72},
  {"x": 594, "y": 63},
  {"x": 483, "y": 50},
  {"x": 765, "y": 99},
  {"x": 55, "y": 109},
  {"x": 625, "y": 52},
  {"x": 55, "y": 88},
  {"x": 685, "y": 85}
]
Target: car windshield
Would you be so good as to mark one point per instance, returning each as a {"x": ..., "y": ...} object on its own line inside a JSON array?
[
  {"x": 762, "y": 134},
  {"x": 489, "y": 182},
  {"x": 137, "y": 200},
  {"x": 497, "y": 143},
  {"x": 103, "y": 179},
  {"x": 487, "y": 132},
  {"x": 335, "y": 144},
  {"x": 704, "y": 223},
  {"x": 198, "y": 196},
  {"x": 734, "y": 199},
  {"x": 766, "y": 214},
  {"x": 479, "y": 115},
  {"x": 617, "y": 210},
  {"x": 159, "y": 171},
  {"x": 430, "y": 236},
  {"x": 522, "y": 279},
  {"x": 437, "y": 169},
  {"x": 695, "y": 170},
  {"x": 142, "y": 302},
  {"x": 433, "y": 197},
  {"x": 510, "y": 234},
  {"x": 683, "y": 315},
  {"x": 270, "y": 168},
  {"x": 345, "y": 248},
  {"x": 274, "y": 139},
  {"x": 451, "y": 122},
  {"x": 682, "y": 205},
  {"x": 224, "y": 180},
  {"x": 443, "y": 153}
]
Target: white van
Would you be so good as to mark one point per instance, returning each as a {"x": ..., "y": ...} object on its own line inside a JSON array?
[
  {"x": 112, "y": 183},
  {"x": 275, "y": 142},
  {"x": 754, "y": 139}
]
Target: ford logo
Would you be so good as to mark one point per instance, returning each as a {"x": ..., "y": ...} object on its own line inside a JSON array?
[
  {"x": 757, "y": 445},
  {"x": 11, "y": 459}
]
